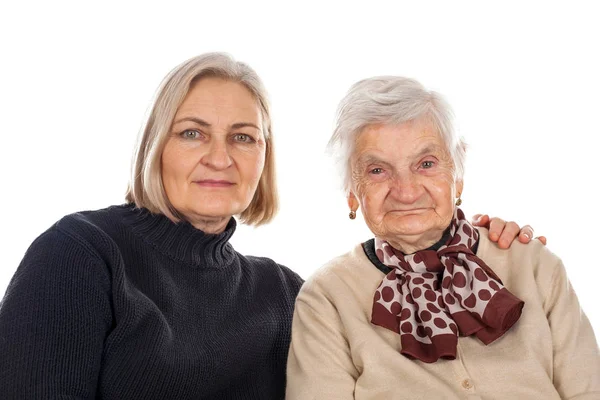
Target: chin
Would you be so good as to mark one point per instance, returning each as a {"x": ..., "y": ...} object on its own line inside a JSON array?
[
  {"x": 212, "y": 213},
  {"x": 214, "y": 210},
  {"x": 225, "y": 210},
  {"x": 410, "y": 225}
]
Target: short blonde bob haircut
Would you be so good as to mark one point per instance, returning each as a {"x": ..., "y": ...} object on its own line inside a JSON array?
[{"x": 146, "y": 188}]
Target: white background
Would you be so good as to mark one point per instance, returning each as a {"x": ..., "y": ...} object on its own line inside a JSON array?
[{"x": 76, "y": 80}]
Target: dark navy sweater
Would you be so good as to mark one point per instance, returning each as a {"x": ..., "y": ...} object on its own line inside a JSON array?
[{"x": 123, "y": 304}]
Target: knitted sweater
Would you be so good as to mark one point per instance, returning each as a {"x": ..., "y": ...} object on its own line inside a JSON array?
[
  {"x": 123, "y": 304},
  {"x": 336, "y": 353}
]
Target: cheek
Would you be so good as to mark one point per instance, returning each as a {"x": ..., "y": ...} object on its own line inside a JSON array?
[
  {"x": 167, "y": 161},
  {"x": 175, "y": 167},
  {"x": 251, "y": 166},
  {"x": 442, "y": 191},
  {"x": 176, "y": 161},
  {"x": 169, "y": 169},
  {"x": 372, "y": 198},
  {"x": 363, "y": 186}
]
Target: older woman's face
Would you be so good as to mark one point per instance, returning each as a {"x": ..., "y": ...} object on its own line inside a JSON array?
[
  {"x": 403, "y": 180},
  {"x": 215, "y": 152}
]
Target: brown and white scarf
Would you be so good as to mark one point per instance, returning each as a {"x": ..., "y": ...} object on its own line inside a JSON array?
[{"x": 432, "y": 296}]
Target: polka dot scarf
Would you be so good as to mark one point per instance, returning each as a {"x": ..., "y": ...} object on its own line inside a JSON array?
[{"x": 432, "y": 296}]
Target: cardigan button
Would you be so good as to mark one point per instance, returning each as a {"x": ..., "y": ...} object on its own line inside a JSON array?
[{"x": 467, "y": 384}]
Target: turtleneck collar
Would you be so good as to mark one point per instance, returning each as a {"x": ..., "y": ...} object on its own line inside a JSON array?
[{"x": 181, "y": 241}]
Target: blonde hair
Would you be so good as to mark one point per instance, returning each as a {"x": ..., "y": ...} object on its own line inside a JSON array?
[{"x": 146, "y": 188}]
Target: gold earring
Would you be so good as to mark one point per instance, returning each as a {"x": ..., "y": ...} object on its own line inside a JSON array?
[
  {"x": 458, "y": 201},
  {"x": 352, "y": 214}
]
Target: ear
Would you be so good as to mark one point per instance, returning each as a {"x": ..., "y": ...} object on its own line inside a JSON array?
[
  {"x": 352, "y": 202},
  {"x": 459, "y": 187}
]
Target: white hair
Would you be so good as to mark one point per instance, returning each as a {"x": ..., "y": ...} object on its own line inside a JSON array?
[{"x": 391, "y": 100}]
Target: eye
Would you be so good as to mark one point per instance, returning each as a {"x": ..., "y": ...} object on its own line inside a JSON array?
[
  {"x": 190, "y": 134},
  {"x": 243, "y": 138},
  {"x": 427, "y": 164},
  {"x": 376, "y": 171}
]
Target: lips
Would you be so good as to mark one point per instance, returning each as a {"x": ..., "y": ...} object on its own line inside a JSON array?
[
  {"x": 411, "y": 211},
  {"x": 214, "y": 183}
]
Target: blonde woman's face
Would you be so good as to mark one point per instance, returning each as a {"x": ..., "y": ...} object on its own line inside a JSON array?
[
  {"x": 215, "y": 153},
  {"x": 403, "y": 180}
]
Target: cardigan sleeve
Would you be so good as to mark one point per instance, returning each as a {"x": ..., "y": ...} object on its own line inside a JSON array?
[
  {"x": 319, "y": 363},
  {"x": 576, "y": 358},
  {"x": 54, "y": 318}
]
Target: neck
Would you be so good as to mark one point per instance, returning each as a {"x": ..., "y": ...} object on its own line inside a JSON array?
[
  {"x": 211, "y": 225},
  {"x": 409, "y": 244}
]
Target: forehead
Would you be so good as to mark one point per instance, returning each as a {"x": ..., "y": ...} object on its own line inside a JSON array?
[
  {"x": 215, "y": 98},
  {"x": 397, "y": 140}
]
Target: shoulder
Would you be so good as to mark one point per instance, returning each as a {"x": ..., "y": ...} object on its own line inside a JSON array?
[
  {"x": 268, "y": 268},
  {"x": 532, "y": 259},
  {"x": 82, "y": 235},
  {"x": 350, "y": 271},
  {"x": 533, "y": 251},
  {"x": 66, "y": 255},
  {"x": 85, "y": 223}
]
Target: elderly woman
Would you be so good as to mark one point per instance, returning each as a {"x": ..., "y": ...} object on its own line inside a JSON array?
[
  {"x": 429, "y": 308},
  {"x": 148, "y": 300}
]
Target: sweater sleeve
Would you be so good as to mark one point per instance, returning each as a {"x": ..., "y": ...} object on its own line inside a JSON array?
[
  {"x": 319, "y": 363},
  {"x": 54, "y": 318},
  {"x": 576, "y": 357}
]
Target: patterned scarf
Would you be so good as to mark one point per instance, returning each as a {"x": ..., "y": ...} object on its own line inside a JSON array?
[{"x": 430, "y": 297}]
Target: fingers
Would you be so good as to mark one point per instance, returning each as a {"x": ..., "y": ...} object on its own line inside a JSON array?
[
  {"x": 480, "y": 220},
  {"x": 526, "y": 234},
  {"x": 495, "y": 226},
  {"x": 509, "y": 234},
  {"x": 505, "y": 231}
]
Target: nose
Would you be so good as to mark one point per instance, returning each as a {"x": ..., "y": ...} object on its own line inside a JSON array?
[
  {"x": 217, "y": 156},
  {"x": 406, "y": 188}
]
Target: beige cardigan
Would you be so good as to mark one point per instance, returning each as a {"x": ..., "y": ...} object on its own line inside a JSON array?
[{"x": 550, "y": 353}]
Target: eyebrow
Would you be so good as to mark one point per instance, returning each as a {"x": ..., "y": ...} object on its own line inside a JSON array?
[
  {"x": 369, "y": 158},
  {"x": 429, "y": 149},
  {"x": 202, "y": 122}
]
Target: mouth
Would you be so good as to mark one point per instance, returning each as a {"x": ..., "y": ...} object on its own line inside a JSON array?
[
  {"x": 411, "y": 211},
  {"x": 215, "y": 183}
]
